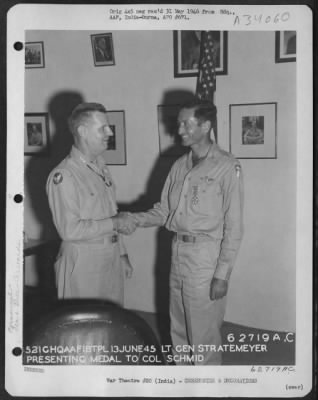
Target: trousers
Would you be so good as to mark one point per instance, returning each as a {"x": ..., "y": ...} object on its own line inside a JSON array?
[
  {"x": 195, "y": 320},
  {"x": 90, "y": 271}
]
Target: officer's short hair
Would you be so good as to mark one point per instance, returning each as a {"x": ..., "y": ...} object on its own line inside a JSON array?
[
  {"x": 81, "y": 113},
  {"x": 204, "y": 110}
]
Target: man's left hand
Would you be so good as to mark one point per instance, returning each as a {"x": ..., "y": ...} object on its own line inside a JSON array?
[
  {"x": 218, "y": 288},
  {"x": 127, "y": 267}
]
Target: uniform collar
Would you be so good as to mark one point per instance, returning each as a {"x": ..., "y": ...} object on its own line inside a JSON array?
[
  {"x": 211, "y": 153},
  {"x": 80, "y": 157}
]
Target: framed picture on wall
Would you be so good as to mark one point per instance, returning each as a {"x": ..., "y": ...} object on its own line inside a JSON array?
[
  {"x": 285, "y": 46},
  {"x": 103, "y": 50},
  {"x": 36, "y": 133},
  {"x": 253, "y": 130},
  {"x": 34, "y": 55},
  {"x": 116, "y": 151},
  {"x": 186, "y": 49},
  {"x": 169, "y": 140}
]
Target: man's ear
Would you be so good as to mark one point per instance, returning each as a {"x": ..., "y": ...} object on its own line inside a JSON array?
[
  {"x": 207, "y": 126},
  {"x": 81, "y": 130},
  {"x": 212, "y": 135}
]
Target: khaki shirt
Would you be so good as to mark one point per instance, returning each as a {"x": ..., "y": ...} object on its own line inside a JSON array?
[
  {"x": 204, "y": 200},
  {"x": 82, "y": 199}
]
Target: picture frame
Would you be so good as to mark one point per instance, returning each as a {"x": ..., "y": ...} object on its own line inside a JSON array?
[
  {"x": 34, "y": 55},
  {"x": 186, "y": 50},
  {"x": 116, "y": 151},
  {"x": 103, "y": 49},
  {"x": 253, "y": 130},
  {"x": 36, "y": 133},
  {"x": 285, "y": 46}
]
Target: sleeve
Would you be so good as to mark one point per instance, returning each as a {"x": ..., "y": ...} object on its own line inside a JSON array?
[
  {"x": 233, "y": 222},
  {"x": 63, "y": 199},
  {"x": 158, "y": 215}
]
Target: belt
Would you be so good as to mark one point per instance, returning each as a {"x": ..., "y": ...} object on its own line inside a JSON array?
[
  {"x": 109, "y": 239},
  {"x": 192, "y": 238}
]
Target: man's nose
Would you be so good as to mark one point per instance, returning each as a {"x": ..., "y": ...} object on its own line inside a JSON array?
[{"x": 109, "y": 131}]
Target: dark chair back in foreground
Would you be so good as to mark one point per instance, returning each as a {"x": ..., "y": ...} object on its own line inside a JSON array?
[{"x": 79, "y": 333}]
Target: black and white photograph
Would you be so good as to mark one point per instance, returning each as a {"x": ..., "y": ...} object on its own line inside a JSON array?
[
  {"x": 103, "y": 50},
  {"x": 34, "y": 55},
  {"x": 187, "y": 45},
  {"x": 285, "y": 46},
  {"x": 253, "y": 130},
  {"x": 36, "y": 133},
  {"x": 163, "y": 244},
  {"x": 115, "y": 154}
]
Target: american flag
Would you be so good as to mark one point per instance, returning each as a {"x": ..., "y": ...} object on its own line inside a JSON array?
[{"x": 206, "y": 83}]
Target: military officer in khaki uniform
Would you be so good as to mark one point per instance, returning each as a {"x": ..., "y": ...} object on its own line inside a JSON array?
[
  {"x": 92, "y": 261},
  {"x": 202, "y": 202}
]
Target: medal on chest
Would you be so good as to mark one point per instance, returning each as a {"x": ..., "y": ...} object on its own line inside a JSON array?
[
  {"x": 195, "y": 195},
  {"x": 103, "y": 176},
  {"x": 107, "y": 179}
]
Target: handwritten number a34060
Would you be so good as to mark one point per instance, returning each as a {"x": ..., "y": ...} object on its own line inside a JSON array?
[{"x": 247, "y": 19}]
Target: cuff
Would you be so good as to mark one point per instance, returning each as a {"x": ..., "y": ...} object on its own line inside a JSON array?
[{"x": 222, "y": 272}]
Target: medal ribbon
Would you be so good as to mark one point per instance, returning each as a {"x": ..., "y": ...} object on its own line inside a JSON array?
[
  {"x": 92, "y": 168},
  {"x": 100, "y": 175}
]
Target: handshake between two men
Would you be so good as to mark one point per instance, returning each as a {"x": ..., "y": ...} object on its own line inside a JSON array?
[{"x": 125, "y": 223}]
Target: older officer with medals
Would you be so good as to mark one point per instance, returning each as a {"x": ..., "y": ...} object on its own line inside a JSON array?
[
  {"x": 202, "y": 202},
  {"x": 92, "y": 261}
]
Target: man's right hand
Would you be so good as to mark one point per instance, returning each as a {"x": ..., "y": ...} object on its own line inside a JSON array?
[{"x": 124, "y": 223}]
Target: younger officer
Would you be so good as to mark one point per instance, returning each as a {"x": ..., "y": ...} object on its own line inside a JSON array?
[
  {"x": 202, "y": 203},
  {"x": 92, "y": 260}
]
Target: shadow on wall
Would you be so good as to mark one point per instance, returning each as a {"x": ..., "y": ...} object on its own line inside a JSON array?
[
  {"x": 152, "y": 194},
  {"x": 38, "y": 169}
]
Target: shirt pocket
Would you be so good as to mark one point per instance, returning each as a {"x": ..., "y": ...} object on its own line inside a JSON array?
[
  {"x": 175, "y": 192},
  {"x": 208, "y": 198},
  {"x": 90, "y": 202}
]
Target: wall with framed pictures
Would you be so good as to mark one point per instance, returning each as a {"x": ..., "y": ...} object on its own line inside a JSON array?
[{"x": 141, "y": 77}]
